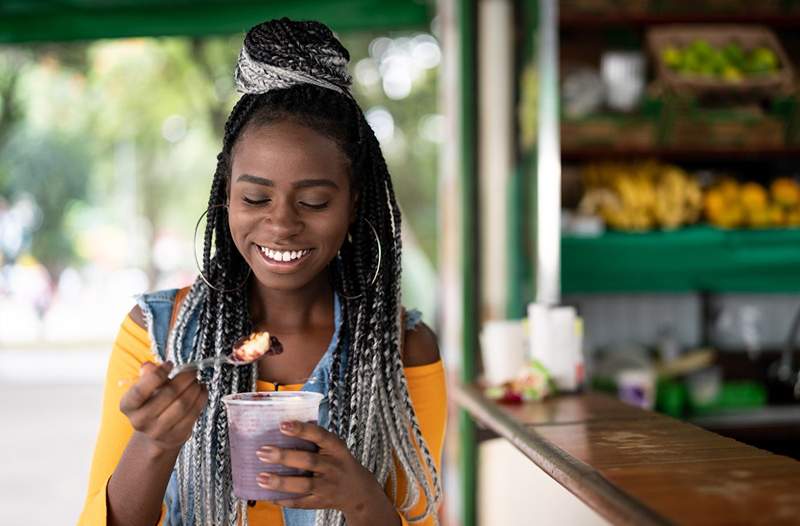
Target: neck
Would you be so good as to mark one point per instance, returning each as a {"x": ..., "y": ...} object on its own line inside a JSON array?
[{"x": 287, "y": 311}]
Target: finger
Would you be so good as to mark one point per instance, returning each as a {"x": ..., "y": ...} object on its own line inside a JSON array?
[
  {"x": 182, "y": 430},
  {"x": 151, "y": 377},
  {"x": 289, "y": 484},
  {"x": 180, "y": 407},
  {"x": 313, "y": 433},
  {"x": 169, "y": 392},
  {"x": 293, "y": 458},
  {"x": 309, "y": 502}
]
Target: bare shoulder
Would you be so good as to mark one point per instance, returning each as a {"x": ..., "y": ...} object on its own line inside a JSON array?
[
  {"x": 420, "y": 346},
  {"x": 137, "y": 316}
]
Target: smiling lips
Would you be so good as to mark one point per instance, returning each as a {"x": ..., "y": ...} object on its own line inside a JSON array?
[{"x": 283, "y": 256}]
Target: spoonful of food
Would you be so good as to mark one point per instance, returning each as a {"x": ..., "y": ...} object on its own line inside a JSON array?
[{"x": 246, "y": 350}]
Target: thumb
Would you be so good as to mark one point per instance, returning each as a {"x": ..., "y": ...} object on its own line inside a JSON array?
[{"x": 149, "y": 366}]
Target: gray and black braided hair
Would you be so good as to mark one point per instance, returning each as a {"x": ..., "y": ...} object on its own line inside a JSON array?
[{"x": 297, "y": 70}]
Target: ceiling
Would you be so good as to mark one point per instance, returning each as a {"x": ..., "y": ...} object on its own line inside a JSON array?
[{"x": 63, "y": 20}]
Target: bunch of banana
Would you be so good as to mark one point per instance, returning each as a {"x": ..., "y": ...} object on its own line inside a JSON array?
[
  {"x": 730, "y": 204},
  {"x": 641, "y": 195},
  {"x": 680, "y": 198}
]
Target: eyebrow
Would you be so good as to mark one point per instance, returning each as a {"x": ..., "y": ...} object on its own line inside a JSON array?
[{"x": 304, "y": 183}]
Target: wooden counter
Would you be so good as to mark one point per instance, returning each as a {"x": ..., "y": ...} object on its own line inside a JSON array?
[{"x": 638, "y": 467}]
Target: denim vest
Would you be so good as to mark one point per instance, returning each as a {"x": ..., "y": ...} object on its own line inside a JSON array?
[{"x": 157, "y": 310}]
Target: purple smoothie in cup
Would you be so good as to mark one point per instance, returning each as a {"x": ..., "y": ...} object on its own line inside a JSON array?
[{"x": 253, "y": 422}]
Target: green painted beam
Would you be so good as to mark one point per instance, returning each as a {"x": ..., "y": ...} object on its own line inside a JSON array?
[
  {"x": 518, "y": 262},
  {"x": 468, "y": 451},
  {"x": 529, "y": 154},
  {"x": 517, "y": 210},
  {"x": 469, "y": 186},
  {"x": 685, "y": 260},
  {"x": 86, "y": 20}
]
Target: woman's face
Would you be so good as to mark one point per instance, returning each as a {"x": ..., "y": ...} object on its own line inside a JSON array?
[{"x": 290, "y": 202}]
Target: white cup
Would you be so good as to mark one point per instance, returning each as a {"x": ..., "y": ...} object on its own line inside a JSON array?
[
  {"x": 503, "y": 349},
  {"x": 556, "y": 341}
]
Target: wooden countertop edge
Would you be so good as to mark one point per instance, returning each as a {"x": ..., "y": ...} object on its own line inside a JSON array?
[{"x": 578, "y": 478}]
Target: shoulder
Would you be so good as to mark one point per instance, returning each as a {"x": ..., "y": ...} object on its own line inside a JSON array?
[
  {"x": 167, "y": 298},
  {"x": 420, "y": 346},
  {"x": 137, "y": 316}
]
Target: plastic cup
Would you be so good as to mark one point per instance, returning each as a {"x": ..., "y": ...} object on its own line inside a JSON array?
[
  {"x": 254, "y": 421},
  {"x": 502, "y": 350}
]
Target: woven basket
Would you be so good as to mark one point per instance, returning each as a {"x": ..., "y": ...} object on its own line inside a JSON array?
[{"x": 748, "y": 37}]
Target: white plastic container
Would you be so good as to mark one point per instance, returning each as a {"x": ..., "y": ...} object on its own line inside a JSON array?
[
  {"x": 556, "y": 341},
  {"x": 503, "y": 350}
]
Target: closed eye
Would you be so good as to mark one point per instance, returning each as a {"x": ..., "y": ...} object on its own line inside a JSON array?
[
  {"x": 314, "y": 206},
  {"x": 256, "y": 201}
]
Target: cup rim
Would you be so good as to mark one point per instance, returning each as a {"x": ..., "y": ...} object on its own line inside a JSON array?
[{"x": 292, "y": 397}]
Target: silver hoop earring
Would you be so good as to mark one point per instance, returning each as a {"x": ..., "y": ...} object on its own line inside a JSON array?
[
  {"x": 377, "y": 267},
  {"x": 197, "y": 262}
]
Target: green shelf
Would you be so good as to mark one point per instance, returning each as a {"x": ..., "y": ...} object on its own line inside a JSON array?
[{"x": 693, "y": 259}]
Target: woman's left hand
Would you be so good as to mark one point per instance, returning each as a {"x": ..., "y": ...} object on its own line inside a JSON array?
[{"x": 339, "y": 481}]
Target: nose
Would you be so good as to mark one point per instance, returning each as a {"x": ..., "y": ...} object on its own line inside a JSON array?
[{"x": 283, "y": 220}]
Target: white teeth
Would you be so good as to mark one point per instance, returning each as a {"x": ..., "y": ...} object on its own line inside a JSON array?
[{"x": 280, "y": 255}]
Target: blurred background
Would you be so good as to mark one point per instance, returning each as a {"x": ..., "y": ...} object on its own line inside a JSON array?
[
  {"x": 107, "y": 149},
  {"x": 105, "y": 153},
  {"x": 677, "y": 214}
]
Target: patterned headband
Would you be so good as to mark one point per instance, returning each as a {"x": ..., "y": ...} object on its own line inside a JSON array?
[{"x": 256, "y": 77}]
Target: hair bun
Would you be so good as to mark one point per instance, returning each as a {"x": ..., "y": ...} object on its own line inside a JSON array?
[{"x": 282, "y": 53}]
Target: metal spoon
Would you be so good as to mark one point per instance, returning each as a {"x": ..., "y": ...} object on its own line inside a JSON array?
[{"x": 241, "y": 355}]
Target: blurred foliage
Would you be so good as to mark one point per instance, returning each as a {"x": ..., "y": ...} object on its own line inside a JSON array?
[
  {"x": 127, "y": 132},
  {"x": 414, "y": 167},
  {"x": 53, "y": 170}
]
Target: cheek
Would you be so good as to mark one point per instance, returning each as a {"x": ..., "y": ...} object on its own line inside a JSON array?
[
  {"x": 340, "y": 224},
  {"x": 330, "y": 229},
  {"x": 239, "y": 225}
]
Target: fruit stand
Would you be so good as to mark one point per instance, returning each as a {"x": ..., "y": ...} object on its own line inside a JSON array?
[
  {"x": 676, "y": 141},
  {"x": 705, "y": 206},
  {"x": 704, "y": 160}
]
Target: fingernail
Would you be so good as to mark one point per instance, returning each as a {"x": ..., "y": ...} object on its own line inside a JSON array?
[
  {"x": 265, "y": 480},
  {"x": 288, "y": 427},
  {"x": 168, "y": 366},
  {"x": 265, "y": 454}
]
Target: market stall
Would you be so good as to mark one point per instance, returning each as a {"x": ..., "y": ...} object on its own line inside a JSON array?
[{"x": 655, "y": 171}]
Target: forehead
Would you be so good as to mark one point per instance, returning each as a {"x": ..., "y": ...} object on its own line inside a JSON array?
[{"x": 288, "y": 150}]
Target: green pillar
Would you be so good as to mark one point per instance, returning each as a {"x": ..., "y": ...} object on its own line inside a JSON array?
[{"x": 466, "y": 13}]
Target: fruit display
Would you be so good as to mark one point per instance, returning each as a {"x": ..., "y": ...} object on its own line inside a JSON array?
[
  {"x": 720, "y": 60},
  {"x": 731, "y": 62},
  {"x": 731, "y": 204},
  {"x": 646, "y": 195},
  {"x": 640, "y": 196}
]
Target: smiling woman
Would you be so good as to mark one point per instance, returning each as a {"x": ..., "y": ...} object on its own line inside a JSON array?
[
  {"x": 303, "y": 241},
  {"x": 291, "y": 202}
]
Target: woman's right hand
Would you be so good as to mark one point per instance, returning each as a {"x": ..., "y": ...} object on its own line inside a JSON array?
[{"x": 163, "y": 410}]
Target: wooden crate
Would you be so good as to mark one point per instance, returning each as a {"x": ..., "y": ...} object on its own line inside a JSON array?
[
  {"x": 748, "y": 37},
  {"x": 703, "y": 128},
  {"x": 722, "y": 7},
  {"x": 604, "y": 6},
  {"x": 609, "y": 130},
  {"x": 793, "y": 131}
]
